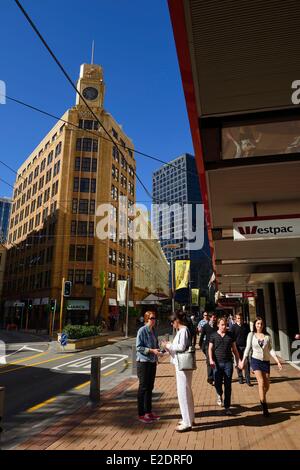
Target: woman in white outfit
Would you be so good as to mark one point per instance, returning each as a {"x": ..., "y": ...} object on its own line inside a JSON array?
[{"x": 180, "y": 343}]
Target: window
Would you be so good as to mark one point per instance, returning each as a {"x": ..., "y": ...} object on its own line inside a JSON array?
[
  {"x": 34, "y": 188},
  {"x": 112, "y": 257},
  {"x": 37, "y": 219},
  {"x": 45, "y": 214},
  {"x": 41, "y": 182},
  {"x": 39, "y": 201},
  {"x": 112, "y": 280},
  {"x": 48, "y": 175},
  {"x": 81, "y": 253},
  {"x": 79, "y": 276},
  {"x": 36, "y": 171},
  {"x": 82, "y": 228},
  {"x": 115, "y": 173},
  {"x": 88, "y": 124},
  {"x": 54, "y": 189},
  {"x": 30, "y": 178},
  {"x": 46, "y": 195},
  {"x": 122, "y": 143},
  {"x": 114, "y": 193},
  {"x": 116, "y": 154},
  {"x": 50, "y": 158},
  {"x": 43, "y": 165},
  {"x": 87, "y": 145},
  {"x": 114, "y": 133},
  {"x": 32, "y": 206},
  {"x": 58, "y": 149},
  {"x": 130, "y": 152},
  {"x": 31, "y": 222},
  {"x": 54, "y": 137},
  {"x": 56, "y": 168},
  {"x": 84, "y": 185},
  {"x": 28, "y": 194}
]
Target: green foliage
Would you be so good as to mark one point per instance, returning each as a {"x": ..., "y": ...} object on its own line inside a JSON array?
[
  {"x": 81, "y": 331},
  {"x": 132, "y": 312}
]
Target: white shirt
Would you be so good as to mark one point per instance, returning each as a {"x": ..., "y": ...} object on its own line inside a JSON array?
[
  {"x": 258, "y": 352},
  {"x": 180, "y": 344}
]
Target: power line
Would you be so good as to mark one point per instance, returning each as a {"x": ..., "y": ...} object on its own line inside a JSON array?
[
  {"x": 117, "y": 144},
  {"x": 63, "y": 70}
]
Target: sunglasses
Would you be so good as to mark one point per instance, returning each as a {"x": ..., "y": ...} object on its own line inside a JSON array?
[{"x": 152, "y": 318}]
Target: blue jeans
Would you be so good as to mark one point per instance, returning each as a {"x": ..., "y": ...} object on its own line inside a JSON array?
[{"x": 224, "y": 370}]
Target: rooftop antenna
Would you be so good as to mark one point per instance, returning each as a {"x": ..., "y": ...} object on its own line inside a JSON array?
[{"x": 93, "y": 52}]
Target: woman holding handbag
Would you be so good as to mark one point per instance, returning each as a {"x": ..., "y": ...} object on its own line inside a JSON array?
[
  {"x": 262, "y": 350},
  {"x": 181, "y": 344}
]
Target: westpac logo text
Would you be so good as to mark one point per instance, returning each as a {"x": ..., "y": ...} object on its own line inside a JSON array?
[{"x": 248, "y": 230}]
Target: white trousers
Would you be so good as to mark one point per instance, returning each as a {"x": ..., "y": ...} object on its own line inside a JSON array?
[{"x": 185, "y": 395}]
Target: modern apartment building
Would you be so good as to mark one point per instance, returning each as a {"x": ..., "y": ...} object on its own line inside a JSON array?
[
  {"x": 75, "y": 169},
  {"x": 176, "y": 184},
  {"x": 5, "y": 207}
]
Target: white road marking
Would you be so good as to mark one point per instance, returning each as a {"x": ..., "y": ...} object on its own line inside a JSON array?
[
  {"x": 85, "y": 363},
  {"x": 32, "y": 349}
]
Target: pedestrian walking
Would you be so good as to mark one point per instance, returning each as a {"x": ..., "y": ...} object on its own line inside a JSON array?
[
  {"x": 201, "y": 323},
  {"x": 206, "y": 331},
  {"x": 181, "y": 343},
  {"x": 240, "y": 330},
  {"x": 262, "y": 350},
  {"x": 221, "y": 348},
  {"x": 147, "y": 348}
]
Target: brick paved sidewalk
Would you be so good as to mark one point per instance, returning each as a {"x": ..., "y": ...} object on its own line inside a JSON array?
[{"x": 114, "y": 425}]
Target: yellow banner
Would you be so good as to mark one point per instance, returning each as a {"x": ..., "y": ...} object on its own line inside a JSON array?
[
  {"x": 182, "y": 271},
  {"x": 195, "y": 297},
  {"x": 102, "y": 283}
]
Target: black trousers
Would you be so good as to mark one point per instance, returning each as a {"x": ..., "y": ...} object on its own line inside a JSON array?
[
  {"x": 210, "y": 371},
  {"x": 146, "y": 372}
]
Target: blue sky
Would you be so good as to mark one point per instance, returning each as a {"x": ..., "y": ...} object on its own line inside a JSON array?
[{"x": 134, "y": 45}]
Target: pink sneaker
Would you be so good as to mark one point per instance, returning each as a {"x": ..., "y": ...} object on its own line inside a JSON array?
[
  {"x": 145, "y": 419},
  {"x": 153, "y": 416}
]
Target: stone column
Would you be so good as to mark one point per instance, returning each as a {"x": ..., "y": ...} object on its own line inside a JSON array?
[
  {"x": 285, "y": 350},
  {"x": 296, "y": 276},
  {"x": 268, "y": 312}
]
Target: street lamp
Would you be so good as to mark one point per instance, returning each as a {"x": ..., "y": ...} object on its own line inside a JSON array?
[{"x": 172, "y": 247}]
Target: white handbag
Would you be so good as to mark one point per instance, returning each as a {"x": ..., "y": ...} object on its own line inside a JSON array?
[{"x": 187, "y": 359}]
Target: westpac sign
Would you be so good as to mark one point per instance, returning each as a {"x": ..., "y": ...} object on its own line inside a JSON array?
[{"x": 268, "y": 227}]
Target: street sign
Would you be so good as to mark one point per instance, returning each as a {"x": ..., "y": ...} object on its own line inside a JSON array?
[{"x": 64, "y": 339}]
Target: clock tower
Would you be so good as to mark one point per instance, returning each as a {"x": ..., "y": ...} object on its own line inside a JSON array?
[{"x": 91, "y": 86}]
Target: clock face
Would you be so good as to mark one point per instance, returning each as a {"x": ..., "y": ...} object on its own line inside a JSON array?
[{"x": 90, "y": 93}]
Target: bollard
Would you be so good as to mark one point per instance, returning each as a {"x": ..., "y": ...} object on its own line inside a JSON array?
[
  {"x": 2, "y": 391},
  {"x": 95, "y": 378},
  {"x": 133, "y": 359}
]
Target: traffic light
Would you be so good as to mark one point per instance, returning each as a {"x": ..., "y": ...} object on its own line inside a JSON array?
[
  {"x": 53, "y": 305},
  {"x": 67, "y": 288},
  {"x": 30, "y": 304}
]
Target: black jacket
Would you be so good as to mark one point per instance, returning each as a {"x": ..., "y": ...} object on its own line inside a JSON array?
[
  {"x": 206, "y": 332},
  {"x": 240, "y": 334}
]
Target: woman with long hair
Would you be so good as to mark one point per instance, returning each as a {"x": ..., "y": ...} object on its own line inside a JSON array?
[
  {"x": 260, "y": 342},
  {"x": 147, "y": 349},
  {"x": 181, "y": 343}
]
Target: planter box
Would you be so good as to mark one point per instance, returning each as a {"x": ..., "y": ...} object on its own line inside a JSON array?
[{"x": 90, "y": 342}]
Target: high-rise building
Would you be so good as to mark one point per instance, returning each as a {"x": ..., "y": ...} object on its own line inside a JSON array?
[
  {"x": 52, "y": 235},
  {"x": 177, "y": 185},
  {"x": 5, "y": 206}
]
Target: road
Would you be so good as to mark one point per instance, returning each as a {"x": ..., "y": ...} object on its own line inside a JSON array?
[{"x": 42, "y": 385}]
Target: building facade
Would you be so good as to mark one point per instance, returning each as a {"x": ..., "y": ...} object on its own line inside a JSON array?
[
  {"x": 74, "y": 178},
  {"x": 245, "y": 127},
  {"x": 5, "y": 207},
  {"x": 151, "y": 268},
  {"x": 177, "y": 185}
]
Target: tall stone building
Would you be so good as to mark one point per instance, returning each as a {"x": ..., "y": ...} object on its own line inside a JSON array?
[{"x": 52, "y": 232}]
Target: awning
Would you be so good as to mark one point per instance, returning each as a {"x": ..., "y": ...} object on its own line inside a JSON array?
[{"x": 152, "y": 299}]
